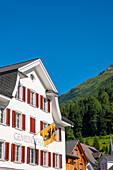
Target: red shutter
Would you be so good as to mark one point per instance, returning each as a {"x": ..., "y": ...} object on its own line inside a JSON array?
[
  {"x": 60, "y": 161},
  {"x": 31, "y": 124},
  {"x": 41, "y": 102},
  {"x": 48, "y": 124},
  {"x": 41, "y": 125},
  {"x": 13, "y": 119},
  {"x": 37, "y": 156},
  {"x": 49, "y": 105},
  {"x": 49, "y": 159},
  {"x": 23, "y": 122},
  {"x": 13, "y": 152},
  {"x": 28, "y": 96},
  {"x": 60, "y": 136},
  {"x": 6, "y": 151},
  {"x": 53, "y": 160},
  {"x": 41, "y": 157},
  {"x": 37, "y": 100},
  {"x": 28, "y": 155},
  {"x": 23, "y": 154},
  {"x": 8, "y": 117},
  {"x": 24, "y": 94}
]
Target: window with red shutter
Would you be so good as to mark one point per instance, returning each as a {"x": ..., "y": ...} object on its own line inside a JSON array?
[
  {"x": 8, "y": 117},
  {"x": 41, "y": 102},
  {"x": 41, "y": 125},
  {"x": 37, "y": 100},
  {"x": 23, "y": 122},
  {"x": 41, "y": 157},
  {"x": 32, "y": 125},
  {"x": 53, "y": 160},
  {"x": 24, "y": 94},
  {"x": 60, "y": 161},
  {"x": 49, "y": 105},
  {"x": 49, "y": 159},
  {"x": 23, "y": 154},
  {"x": 37, "y": 156},
  {"x": 6, "y": 151},
  {"x": 13, "y": 152},
  {"x": 60, "y": 135},
  {"x": 13, "y": 118},
  {"x": 28, "y": 96},
  {"x": 28, "y": 155}
]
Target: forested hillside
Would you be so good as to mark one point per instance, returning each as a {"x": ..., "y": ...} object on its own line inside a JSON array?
[
  {"x": 92, "y": 113},
  {"x": 89, "y": 87}
]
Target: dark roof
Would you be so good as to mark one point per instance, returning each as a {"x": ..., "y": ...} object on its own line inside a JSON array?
[
  {"x": 108, "y": 157},
  {"x": 89, "y": 150},
  {"x": 70, "y": 145},
  {"x": 72, "y": 156},
  {"x": 8, "y": 77},
  {"x": 111, "y": 168},
  {"x": 15, "y": 66},
  {"x": 7, "y": 82},
  {"x": 68, "y": 121},
  {"x": 96, "y": 155}
]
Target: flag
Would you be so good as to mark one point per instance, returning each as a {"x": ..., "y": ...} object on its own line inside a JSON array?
[{"x": 49, "y": 134}]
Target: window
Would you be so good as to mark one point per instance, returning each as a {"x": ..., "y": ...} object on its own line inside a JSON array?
[
  {"x": 18, "y": 120},
  {"x": 2, "y": 116},
  {"x": 19, "y": 92},
  {"x": 1, "y": 150},
  {"x": 57, "y": 133},
  {"x": 56, "y": 160},
  {"x": 45, "y": 156},
  {"x": 32, "y": 125},
  {"x": 75, "y": 152},
  {"x": 17, "y": 153},
  {"x": 45, "y": 125},
  {"x": 81, "y": 166},
  {"x": 32, "y": 98},
  {"x": 45, "y": 104},
  {"x": 32, "y": 156}
]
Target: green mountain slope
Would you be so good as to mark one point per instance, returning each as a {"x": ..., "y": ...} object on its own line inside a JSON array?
[{"x": 89, "y": 87}]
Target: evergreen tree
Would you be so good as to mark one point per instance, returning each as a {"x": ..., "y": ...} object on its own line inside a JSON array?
[
  {"x": 69, "y": 134},
  {"x": 96, "y": 143},
  {"x": 106, "y": 150},
  {"x": 87, "y": 142}
]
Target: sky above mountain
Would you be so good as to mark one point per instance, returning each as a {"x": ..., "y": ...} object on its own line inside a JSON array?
[{"x": 73, "y": 38}]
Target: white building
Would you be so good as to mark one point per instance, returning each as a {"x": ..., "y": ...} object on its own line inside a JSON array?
[
  {"x": 29, "y": 103},
  {"x": 106, "y": 162}
]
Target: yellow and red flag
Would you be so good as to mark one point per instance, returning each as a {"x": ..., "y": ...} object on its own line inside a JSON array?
[{"x": 49, "y": 134}]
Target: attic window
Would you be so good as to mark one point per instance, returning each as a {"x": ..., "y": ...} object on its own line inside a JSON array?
[{"x": 32, "y": 77}]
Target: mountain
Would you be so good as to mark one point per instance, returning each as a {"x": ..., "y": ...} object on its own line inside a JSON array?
[{"x": 89, "y": 87}]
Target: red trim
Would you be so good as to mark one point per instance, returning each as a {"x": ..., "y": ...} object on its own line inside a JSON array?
[
  {"x": 49, "y": 105},
  {"x": 41, "y": 102},
  {"x": 60, "y": 136},
  {"x": 28, "y": 155},
  {"x": 60, "y": 161},
  {"x": 8, "y": 117},
  {"x": 53, "y": 160},
  {"x": 37, "y": 156},
  {"x": 13, "y": 152},
  {"x": 24, "y": 94},
  {"x": 41, "y": 125},
  {"x": 23, "y": 122},
  {"x": 37, "y": 100},
  {"x": 6, "y": 151},
  {"x": 13, "y": 118},
  {"x": 41, "y": 157},
  {"x": 28, "y": 96},
  {"x": 23, "y": 154},
  {"x": 49, "y": 159}
]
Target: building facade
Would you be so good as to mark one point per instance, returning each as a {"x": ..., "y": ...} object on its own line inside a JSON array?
[{"x": 28, "y": 104}]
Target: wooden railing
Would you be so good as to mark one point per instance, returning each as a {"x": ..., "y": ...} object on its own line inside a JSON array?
[{"x": 69, "y": 166}]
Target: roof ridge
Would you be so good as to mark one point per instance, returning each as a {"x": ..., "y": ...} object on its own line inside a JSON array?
[{"x": 19, "y": 63}]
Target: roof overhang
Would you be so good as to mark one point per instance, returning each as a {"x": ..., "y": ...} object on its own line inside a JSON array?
[{"x": 72, "y": 156}]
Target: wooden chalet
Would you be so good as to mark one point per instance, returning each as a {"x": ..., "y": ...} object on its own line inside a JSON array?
[{"x": 75, "y": 156}]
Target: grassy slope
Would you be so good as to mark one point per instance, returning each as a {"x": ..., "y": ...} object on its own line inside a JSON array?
[
  {"x": 102, "y": 141},
  {"x": 89, "y": 87}
]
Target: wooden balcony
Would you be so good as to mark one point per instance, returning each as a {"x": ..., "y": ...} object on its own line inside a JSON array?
[{"x": 69, "y": 166}]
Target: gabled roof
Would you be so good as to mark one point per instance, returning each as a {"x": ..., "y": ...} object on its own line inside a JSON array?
[
  {"x": 108, "y": 157},
  {"x": 15, "y": 66},
  {"x": 89, "y": 153},
  {"x": 70, "y": 145},
  {"x": 111, "y": 168}
]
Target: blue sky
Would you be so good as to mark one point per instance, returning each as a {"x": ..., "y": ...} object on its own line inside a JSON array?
[{"x": 73, "y": 38}]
